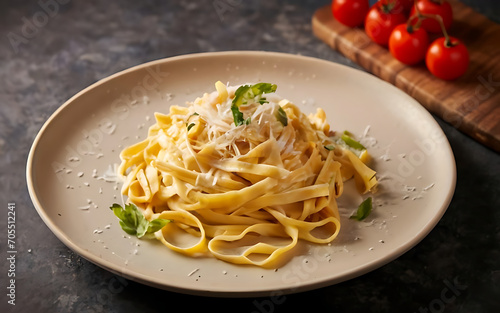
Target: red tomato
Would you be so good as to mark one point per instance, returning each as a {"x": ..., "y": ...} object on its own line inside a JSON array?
[
  {"x": 447, "y": 62},
  {"x": 350, "y": 12},
  {"x": 433, "y": 7},
  {"x": 380, "y": 22},
  {"x": 408, "y": 45}
]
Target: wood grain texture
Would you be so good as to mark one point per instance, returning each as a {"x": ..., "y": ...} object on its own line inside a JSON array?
[{"x": 470, "y": 103}]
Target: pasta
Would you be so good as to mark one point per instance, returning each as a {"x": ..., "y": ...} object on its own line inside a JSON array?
[{"x": 243, "y": 175}]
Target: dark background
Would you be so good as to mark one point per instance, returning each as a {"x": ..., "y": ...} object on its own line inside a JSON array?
[{"x": 85, "y": 41}]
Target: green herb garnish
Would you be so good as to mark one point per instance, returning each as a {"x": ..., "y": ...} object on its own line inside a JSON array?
[
  {"x": 281, "y": 116},
  {"x": 134, "y": 223},
  {"x": 246, "y": 92},
  {"x": 190, "y": 125},
  {"x": 329, "y": 147},
  {"x": 347, "y": 138},
  {"x": 237, "y": 115},
  {"x": 364, "y": 210}
]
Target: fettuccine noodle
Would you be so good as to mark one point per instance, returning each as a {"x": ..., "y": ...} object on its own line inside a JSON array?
[{"x": 245, "y": 194}]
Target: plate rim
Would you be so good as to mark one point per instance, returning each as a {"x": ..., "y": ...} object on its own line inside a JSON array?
[{"x": 252, "y": 292}]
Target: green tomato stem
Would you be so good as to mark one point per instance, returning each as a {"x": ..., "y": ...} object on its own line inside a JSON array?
[{"x": 436, "y": 17}]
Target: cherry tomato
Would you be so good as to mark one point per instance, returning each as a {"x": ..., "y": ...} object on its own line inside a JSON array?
[
  {"x": 380, "y": 21},
  {"x": 350, "y": 12},
  {"x": 408, "y": 45},
  {"x": 434, "y": 7},
  {"x": 447, "y": 61}
]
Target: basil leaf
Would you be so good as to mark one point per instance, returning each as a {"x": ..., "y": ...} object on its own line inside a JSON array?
[
  {"x": 134, "y": 223},
  {"x": 118, "y": 211},
  {"x": 237, "y": 116},
  {"x": 129, "y": 230},
  {"x": 364, "y": 210},
  {"x": 347, "y": 138},
  {"x": 240, "y": 95},
  {"x": 261, "y": 88},
  {"x": 246, "y": 92},
  {"x": 282, "y": 117},
  {"x": 131, "y": 217},
  {"x": 329, "y": 147},
  {"x": 156, "y": 225},
  {"x": 141, "y": 229}
]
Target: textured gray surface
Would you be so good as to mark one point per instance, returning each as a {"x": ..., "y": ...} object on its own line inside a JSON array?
[{"x": 454, "y": 269}]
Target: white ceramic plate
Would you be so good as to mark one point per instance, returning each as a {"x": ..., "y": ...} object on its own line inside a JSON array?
[{"x": 83, "y": 138}]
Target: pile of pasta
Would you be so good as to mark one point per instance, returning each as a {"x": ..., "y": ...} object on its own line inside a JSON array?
[{"x": 247, "y": 193}]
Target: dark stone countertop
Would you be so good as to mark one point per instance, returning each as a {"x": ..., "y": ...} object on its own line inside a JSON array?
[{"x": 456, "y": 268}]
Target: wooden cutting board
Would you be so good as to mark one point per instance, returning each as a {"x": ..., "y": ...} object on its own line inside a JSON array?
[{"x": 470, "y": 103}]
